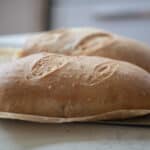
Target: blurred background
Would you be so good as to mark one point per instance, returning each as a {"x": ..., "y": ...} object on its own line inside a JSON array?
[{"x": 126, "y": 17}]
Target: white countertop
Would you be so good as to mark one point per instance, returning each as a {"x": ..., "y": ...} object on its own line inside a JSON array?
[
  {"x": 17, "y": 135},
  {"x": 13, "y": 40}
]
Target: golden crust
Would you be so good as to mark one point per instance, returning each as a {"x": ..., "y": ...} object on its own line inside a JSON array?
[
  {"x": 91, "y": 42},
  {"x": 76, "y": 87}
]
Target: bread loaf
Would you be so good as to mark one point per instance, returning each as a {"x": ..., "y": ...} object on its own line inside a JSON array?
[
  {"x": 48, "y": 87},
  {"x": 89, "y": 41}
]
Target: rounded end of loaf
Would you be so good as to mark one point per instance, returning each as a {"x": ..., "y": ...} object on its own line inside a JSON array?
[
  {"x": 7, "y": 54},
  {"x": 19, "y": 54}
]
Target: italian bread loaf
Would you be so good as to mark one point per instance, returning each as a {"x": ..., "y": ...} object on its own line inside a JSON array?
[
  {"x": 89, "y": 41},
  {"x": 56, "y": 88}
]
